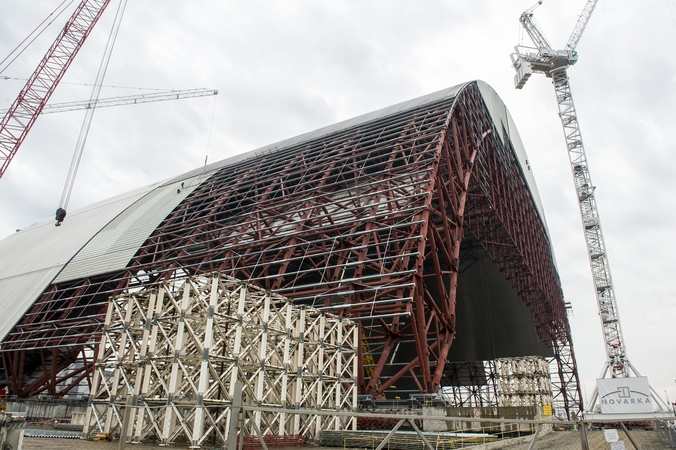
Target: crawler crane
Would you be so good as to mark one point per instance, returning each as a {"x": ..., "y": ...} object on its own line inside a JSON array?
[{"x": 543, "y": 58}]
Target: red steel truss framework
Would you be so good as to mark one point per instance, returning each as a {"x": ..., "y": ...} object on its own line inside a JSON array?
[{"x": 366, "y": 222}]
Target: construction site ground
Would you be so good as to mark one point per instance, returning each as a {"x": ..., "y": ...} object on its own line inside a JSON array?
[{"x": 563, "y": 440}]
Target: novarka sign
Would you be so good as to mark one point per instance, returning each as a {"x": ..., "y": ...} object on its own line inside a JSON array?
[{"x": 625, "y": 395}]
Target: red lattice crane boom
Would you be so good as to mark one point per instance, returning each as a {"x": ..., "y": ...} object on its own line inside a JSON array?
[{"x": 28, "y": 105}]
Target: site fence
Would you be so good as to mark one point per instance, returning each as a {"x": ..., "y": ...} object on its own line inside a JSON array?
[{"x": 405, "y": 432}]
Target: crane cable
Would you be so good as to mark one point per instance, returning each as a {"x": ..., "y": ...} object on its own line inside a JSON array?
[
  {"x": 670, "y": 11},
  {"x": 21, "y": 47},
  {"x": 84, "y": 131}
]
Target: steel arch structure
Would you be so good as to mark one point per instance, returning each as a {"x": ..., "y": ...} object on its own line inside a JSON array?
[{"x": 366, "y": 222}]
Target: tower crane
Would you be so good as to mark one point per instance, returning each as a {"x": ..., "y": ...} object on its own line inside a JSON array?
[
  {"x": 19, "y": 119},
  {"x": 554, "y": 64},
  {"x": 124, "y": 100}
]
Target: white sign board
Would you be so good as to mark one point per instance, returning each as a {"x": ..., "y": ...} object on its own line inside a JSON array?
[
  {"x": 611, "y": 435},
  {"x": 624, "y": 395}
]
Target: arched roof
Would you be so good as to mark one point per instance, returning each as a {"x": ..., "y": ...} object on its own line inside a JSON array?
[
  {"x": 104, "y": 236},
  {"x": 409, "y": 219}
]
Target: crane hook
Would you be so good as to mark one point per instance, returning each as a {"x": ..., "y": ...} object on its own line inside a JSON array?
[{"x": 60, "y": 216}]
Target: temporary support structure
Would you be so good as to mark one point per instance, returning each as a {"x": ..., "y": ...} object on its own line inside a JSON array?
[
  {"x": 524, "y": 382},
  {"x": 173, "y": 353}
]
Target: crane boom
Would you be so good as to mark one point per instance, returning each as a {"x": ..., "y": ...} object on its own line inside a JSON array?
[
  {"x": 533, "y": 30},
  {"x": 581, "y": 24},
  {"x": 125, "y": 100},
  {"x": 23, "y": 113}
]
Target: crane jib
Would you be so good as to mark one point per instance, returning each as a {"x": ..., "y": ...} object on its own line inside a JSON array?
[{"x": 25, "y": 110}]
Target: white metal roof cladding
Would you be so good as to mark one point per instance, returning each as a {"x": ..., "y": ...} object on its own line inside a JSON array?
[
  {"x": 104, "y": 237},
  {"x": 31, "y": 258},
  {"x": 113, "y": 247}
]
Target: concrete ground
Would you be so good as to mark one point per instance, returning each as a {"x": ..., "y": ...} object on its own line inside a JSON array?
[
  {"x": 559, "y": 440},
  {"x": 78, "y": 444},
  {"x": 570, "y": 440}
]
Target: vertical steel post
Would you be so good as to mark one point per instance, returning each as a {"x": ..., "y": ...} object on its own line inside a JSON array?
[{"x": 235, "y": 410}]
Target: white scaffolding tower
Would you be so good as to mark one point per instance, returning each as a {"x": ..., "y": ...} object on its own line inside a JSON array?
[
  {"x": 173, "y": 354},
  {"x": 524, "y": 381}
]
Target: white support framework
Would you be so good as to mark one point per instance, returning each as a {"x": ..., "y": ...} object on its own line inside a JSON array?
[
  {"x": 524, "y": 381},
  {"x": 179, "y": 349}
]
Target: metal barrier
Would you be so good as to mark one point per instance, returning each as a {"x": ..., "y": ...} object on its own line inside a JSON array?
[
  {"x": 477, "y": 433},
  {"x": 668, "y": 429}
]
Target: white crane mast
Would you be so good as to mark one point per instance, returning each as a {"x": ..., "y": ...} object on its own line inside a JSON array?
[
  {"x": 596, "y": 248},
  {"x": 554, "y": 64}
]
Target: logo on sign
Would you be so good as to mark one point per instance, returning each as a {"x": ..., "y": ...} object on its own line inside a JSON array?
[{"x": 625, "y": 396}]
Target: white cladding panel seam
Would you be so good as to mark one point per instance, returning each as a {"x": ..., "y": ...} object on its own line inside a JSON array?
[{"x": 114, "y": 246}]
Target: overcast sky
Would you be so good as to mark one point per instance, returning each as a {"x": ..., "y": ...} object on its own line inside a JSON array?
[{"x": 284, "y": 68}]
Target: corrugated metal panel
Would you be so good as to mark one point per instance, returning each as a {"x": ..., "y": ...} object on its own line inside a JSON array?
[
  {"x": 113, "y": 247},
  {"x": 20, "y": 291},
  {"x": 31, "y": 258}
]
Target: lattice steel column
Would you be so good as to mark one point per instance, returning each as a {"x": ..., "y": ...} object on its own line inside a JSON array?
[{"x": 605, "y": 293}]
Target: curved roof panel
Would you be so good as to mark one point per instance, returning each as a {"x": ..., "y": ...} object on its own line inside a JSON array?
[{"x": 35, "y": 255}]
